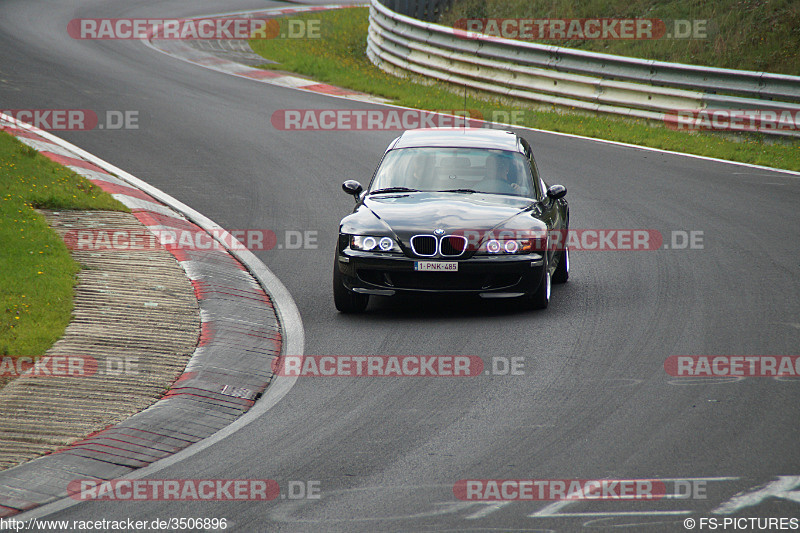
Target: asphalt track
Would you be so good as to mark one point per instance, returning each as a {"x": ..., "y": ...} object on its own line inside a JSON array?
[{"x": 594, "y": 402}]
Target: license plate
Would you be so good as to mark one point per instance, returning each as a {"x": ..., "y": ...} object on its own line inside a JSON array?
[{"x": 436, "y": 266}]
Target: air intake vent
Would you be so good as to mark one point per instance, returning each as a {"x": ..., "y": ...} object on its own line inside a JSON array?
[
  {"x": 453, "y": 245},
  {"x": 424, "y": 245}
]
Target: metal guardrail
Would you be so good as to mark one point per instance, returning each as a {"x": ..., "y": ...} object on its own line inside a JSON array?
[
  {"x": 427, "y": 10},
  {"x": 400, "y": 44}
]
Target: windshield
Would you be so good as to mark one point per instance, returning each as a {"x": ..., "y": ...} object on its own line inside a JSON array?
[{"x": 455, "y": 169}]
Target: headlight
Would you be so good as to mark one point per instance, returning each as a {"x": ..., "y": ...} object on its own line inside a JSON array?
[
  {"x": 368, "y": 243},
  {"x": 512, "y": 246}
]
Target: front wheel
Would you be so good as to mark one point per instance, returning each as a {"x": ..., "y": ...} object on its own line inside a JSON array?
[
  {"x": 346, "y": 301},
  {"x": 561, "y": 275},
  {"x": 540, "y": 298}
]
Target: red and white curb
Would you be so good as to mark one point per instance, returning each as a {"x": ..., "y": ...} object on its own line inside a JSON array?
[
  {"x": 248, "y": 319},
  {"x": 181, "y": 50},
  {"x": 149, "y": 211}
]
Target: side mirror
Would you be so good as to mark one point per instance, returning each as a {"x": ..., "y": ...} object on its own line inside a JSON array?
[
  {"x": 556, "y": 192},
  {"x": 354, "y": 188}
]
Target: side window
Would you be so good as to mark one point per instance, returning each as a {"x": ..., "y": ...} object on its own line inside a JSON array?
[
  {"x": 541, "y": 186},
  {"x": 537, "y": 179}
]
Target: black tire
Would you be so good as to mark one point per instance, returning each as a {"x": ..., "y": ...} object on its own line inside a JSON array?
[
  {"x": 346, "y": 301},
  {"x": 561, "y": 275},
  {"x": 541, "y": 298}
]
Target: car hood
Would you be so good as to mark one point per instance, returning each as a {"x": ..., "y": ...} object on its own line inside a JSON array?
[{"x": 424, "y": 212}]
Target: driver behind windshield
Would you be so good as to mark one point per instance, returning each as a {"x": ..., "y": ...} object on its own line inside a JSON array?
[
  {"x": 418, "y": 171},
  {"x": 503, "y": 176}
]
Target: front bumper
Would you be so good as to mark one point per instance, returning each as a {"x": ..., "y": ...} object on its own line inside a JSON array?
[{"x": 386, "y": 274}]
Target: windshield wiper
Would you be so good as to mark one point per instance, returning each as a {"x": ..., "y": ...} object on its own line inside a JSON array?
[
  {"x": 460, "y": 190},
  {"x": 393, "y": 189}
]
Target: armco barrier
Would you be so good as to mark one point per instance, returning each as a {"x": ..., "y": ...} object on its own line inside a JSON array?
[
  {"x": 400, "y": 44},
  {"x": 428, "y": 10}
]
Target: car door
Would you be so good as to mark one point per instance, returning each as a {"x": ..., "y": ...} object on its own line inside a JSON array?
[{"x": 551, "y": 212}]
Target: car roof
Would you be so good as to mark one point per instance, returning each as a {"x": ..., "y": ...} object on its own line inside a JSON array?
[{"x": 460, "y": 138}]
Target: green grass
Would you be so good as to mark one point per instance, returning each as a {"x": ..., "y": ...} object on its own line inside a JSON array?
[
  {"x": 762, "y": 35},
  {"x": 339, "y": 58},
  {"x": 37, "y": 273}
]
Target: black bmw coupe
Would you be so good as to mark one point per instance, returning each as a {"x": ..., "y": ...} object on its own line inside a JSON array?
[{"x": 452, "y": 211}]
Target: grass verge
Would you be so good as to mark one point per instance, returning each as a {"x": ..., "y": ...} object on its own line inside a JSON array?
[
  {"x": 37, "y": 273},
  {"x": 339, "y": 57},
  {"x": 740, "y": 34}
]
